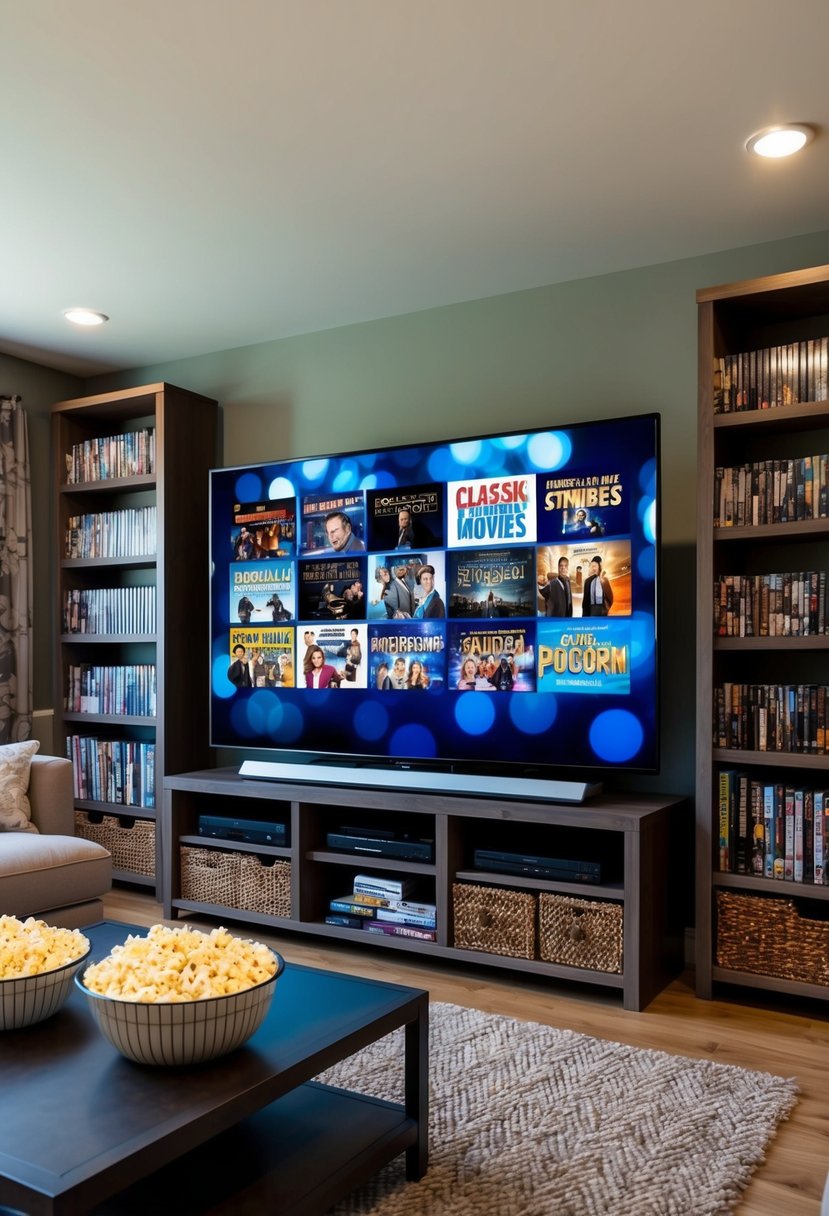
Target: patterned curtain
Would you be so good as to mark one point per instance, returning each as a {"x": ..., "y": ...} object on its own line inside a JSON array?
[{"x": 15, "y": 574}]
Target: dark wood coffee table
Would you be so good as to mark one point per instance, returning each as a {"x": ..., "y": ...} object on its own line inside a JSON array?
[{"x": 250, "y": 1133}]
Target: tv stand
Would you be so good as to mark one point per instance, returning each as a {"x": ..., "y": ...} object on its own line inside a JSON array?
[
  {"x": 639, "y": 841},
  {"x": 425, "y": 780}
]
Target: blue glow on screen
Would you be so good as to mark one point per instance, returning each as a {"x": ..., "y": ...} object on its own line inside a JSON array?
[{"x": 495, "y": 680}]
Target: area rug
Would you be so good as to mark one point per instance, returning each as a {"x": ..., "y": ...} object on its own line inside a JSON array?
[{"x": 527, "y": 1120}]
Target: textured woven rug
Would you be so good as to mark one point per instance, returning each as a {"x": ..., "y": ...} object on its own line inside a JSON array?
[{"x": 527, "y": 1120}]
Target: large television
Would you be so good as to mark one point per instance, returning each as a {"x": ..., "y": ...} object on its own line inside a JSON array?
[{"x": 483, "y": 611}]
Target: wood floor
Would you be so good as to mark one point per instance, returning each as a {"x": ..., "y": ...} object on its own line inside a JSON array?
[{"x": 790, "y": 1041}]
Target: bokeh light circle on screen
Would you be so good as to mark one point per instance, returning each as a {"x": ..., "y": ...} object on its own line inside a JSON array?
[
  {"x": 371, "y": 721},
  {"x": 647, "y": 478},
  {"x": 240, "y": 720},
  {"x": 346, "y": 479},
  {"x": 549, "y": 450},
  {"x": 314, "y": 470},
  {"x": 381, "y": 480},
  {"x": 509, "y": 442},
  {"x": 285, "y": 723},
  {"x": 281, "y": 487},
  {"x": 532, "y": 713},
  {"x": 616, "y": 736},
  {"x": 474, "y": 712},
  {"x": 222, "y": 686},
  {"x": 467, "y": 452},
  {"x": 443, "y": 466},
  {"x": 642, "y": 640},
  {"x": 263, "y": 716},
  {"x": 649, "y": 522},
  {"x": 413, "y": 740},
  {"x": 248, "y": 487},
  {"x": 646, "y": 564}
]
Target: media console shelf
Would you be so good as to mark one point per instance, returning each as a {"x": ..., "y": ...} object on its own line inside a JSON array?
[{"x": 629, "y": 835}]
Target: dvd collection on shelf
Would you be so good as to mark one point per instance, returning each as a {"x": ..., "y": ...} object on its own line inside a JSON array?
[
  {"x": 120, "y": 771},
  {"x": 385, "y": 905},
  {"x": 774, "y": 491},
  {"x": 127, "y": 533},
  {"x": 110, "y": 610},
  {"x": 129, "y": 689},
  {"x": 771, "y": 718},
  {"x": 111, "y": 456},
  {"x": 771, "y": 829},
  {"x": 771, "y": 377},
  {"x": 770, "y": 605}
]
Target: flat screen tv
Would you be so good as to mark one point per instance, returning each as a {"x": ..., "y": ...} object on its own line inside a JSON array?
[{"x": 484, "y": 608}]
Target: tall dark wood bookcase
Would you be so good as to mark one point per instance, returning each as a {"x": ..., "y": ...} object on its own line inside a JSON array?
[
  {"x": 174, "y": 562},
  {"x": 768, "y": 423}
]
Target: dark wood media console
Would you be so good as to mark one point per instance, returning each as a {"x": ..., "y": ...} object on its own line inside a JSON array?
[{"x": 630, "y": 836}]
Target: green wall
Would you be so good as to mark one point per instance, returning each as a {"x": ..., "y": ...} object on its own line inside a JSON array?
[{"x": 616, "y": 344}]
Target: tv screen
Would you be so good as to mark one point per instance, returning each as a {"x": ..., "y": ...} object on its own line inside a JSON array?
[{"x": 485, "y": 604}]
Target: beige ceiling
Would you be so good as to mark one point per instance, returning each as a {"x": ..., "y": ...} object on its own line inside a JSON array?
[{"x": 214, "y": 173}]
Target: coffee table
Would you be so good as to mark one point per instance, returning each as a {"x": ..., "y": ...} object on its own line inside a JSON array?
[{"x": 249, "y": 1133}]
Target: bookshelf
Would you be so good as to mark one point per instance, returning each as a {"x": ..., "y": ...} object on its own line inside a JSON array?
[
  {"x": 130, "y": 556},
  {"x": 762, "y": 646}
]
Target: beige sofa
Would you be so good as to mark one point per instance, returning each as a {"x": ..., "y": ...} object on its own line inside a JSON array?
[{"x": 52, "y": 874}]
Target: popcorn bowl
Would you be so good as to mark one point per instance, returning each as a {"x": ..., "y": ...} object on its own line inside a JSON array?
[
  {"x": 176, "y": 1032},
  {"x": 27, "y": 999}
]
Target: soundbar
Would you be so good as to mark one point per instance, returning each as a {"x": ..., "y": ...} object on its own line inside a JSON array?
[
  {"x": 478, "y": 785},
  {"x": 561, "y": 868},
  {"x": 249, "y": 831}
]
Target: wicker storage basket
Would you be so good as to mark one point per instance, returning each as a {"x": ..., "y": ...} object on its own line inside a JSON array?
[
  {"x": 264, "y": 887},
  {"x": 769, "y": 936},
  {"x": 209, "y": 876},
  {"x": 130, "y": 841},
  {"x": 494, "y": 919},
  {"x": 580, "y": 932}
]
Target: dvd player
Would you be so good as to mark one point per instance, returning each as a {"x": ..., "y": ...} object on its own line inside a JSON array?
[
  {"x": 561, "y": 868},
  {"x": 248, "y": 831},
  {"x": 401, "y": 847}
]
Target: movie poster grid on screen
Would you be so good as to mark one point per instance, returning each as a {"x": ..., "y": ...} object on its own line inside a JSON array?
[{"x": 520, "y": 569}]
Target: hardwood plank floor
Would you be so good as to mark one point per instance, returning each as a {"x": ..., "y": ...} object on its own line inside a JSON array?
[{"x": 790, "y": 1040}]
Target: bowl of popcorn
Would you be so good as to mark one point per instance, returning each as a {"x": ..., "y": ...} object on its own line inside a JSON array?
[
  {"x": 181, "y": 996},
  {"x": 37, "y": 964}
]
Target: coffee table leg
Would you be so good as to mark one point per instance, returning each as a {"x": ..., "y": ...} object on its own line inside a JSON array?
[{"x": 417, "y": 1090}]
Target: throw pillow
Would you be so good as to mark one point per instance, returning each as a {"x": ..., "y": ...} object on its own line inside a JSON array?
[{"x": 15, "y": 763}]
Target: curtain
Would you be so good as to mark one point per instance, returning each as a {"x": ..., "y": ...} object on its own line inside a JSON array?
[{"x": 15, "y": 574}]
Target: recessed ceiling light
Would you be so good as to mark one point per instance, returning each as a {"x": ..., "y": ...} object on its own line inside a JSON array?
[
  {"x": 85, "y": 316},
  {"x": 783, "y": 140}
]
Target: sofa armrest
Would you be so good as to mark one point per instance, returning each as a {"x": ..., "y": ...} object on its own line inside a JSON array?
[{"x": 51, "y": 795}]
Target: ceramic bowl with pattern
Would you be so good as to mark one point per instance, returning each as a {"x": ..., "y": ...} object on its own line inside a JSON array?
[
  {"x": 184, "y": 1032},
  {"x": 27, "y": 999}
]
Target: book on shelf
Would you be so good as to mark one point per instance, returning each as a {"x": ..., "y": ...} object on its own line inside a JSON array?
[
  {"x": 347, "y": 904},
  {"x": 392, "y": 888},
  {"x": 758, "y": 838},
  {"x": 394, "y": 930},
  {"x": 770, "y": 829},
  {"x": 788, "y": 845},
  {"x": 397, "y": 905},
  {"x": 821, "y": 809},
  {"x": 393, "y": 916},
  {"x": 344, "y": 920}
]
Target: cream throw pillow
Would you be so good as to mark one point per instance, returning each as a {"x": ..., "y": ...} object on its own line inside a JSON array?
[{"x": 15, "y": 763}]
